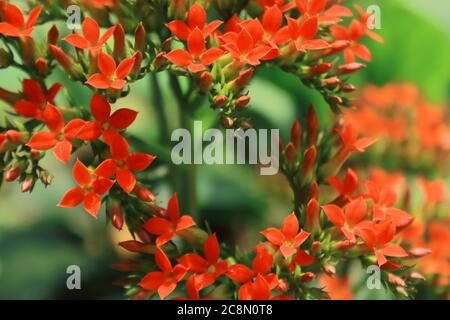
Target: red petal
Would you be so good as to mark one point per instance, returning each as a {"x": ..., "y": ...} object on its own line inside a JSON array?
[
  {"x": 106, "y": 169},
  {"x": 211, "y": 55},
  {"x": 211, "y": 249},
  {"x": 73, "y": 127},
  {"x": 102, "y": 185},
  {"x": 9, "y": 30},
  {"x": 106, "y": 64},
  {"x": 108, "y": 33},
  {"x": 179, "y": 29},
  {"x": 184, "y": 222},
  {"x": 120, "y": 148},
  {"x": 100, "y": 108},
  {"x": 335, "y": 214},
  {"x": 309, "y": 28},
  {"x": 62, "y": 151},
  {"x": 274, "y": 235},
  {"x": 300, "y": 238},
  {"x": 386, "y": 231},
  {"x": 393, "y": 250},
  {"x": 196, "y": 43},
  {"x": 152, "y": 280},
  {"x": 99, "y": 81},
  {"x": 179, "y": 57},
  {"x": 122, "y": 118},
  {"x": 362, "y": 52},
  {"x": 290, "y": 226},
  {"x": 162, "y": 261},
  {"x": 26, "y": 108},
  {"x": 164, "y": 238},
  {"x": 157, "y": 225},
  {"x": 244, "y": 41},
  {"x": 126, "y": 179},
  {"x": 139, "y": 161},
  {"x": 91, "y": 131},
  {"x": 53, "y": 91},
  {"x": 125, "y": 67},
  {"x": 33, "y": 91},
  {"x": 91, "y": 30},
  {"x": 355, "y": 211},
  {"x": 42, "y": 141},
  {"x": 262, "y": 262},
  {"x": 33, "y": 17},
  {"x": 53, "y": 118},
  {"x": 77, "y": 41},
  {"x": 173, "y": 210},
  {"x": 240, "y": 273},
  {"x": 13, "y": 15},
  {"x": 92, "y": 203},
  {"x": 196, "y": 16},
  {"x": 303, "y": 259},
  {"x": 194, "y": 263},
  {"x": 72, "y": 198},
  {"x": 272, "y": 19},
  {"x": 81, "y": 174},
  {"x": 166, "y": 288},
  {"x": 287, "y": 251}
]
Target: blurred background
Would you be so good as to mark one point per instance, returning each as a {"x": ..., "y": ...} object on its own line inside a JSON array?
[{"x": 38, "y": 240}]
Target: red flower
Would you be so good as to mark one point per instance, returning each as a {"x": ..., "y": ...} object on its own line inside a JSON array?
[
  {"x": 36, "y": 99},
  {"x": 91, "y": 36},
  {"x": 196, "y": 59},
  {"x": 59, "y": 136},
  {"x": 364, "y": 18},
  {"x": 166, "y": 229},
  {"x": 2, "y": 140},
  {"x": 352, "y": 33},
  {"x": 209, "y": 269},
  {"x": 383, "y": 200},
  {"x": 165, "y": 281},
  {"x": 377, "y": 238},
  {"x": 287, "y": 239},
  {"x": 14, "y": 24},
  {"x": 243, "y": 47},
  {"x": 318, "y": 7},
  {"x": 89, "y": 190},
  {"x": 123, "y": 163},
  {"x": 105, "y": 123},
  {"x": 349, "y": 219},
  {"x": 347, "y": 186},
  {"x": 111, "y": 76},
  {"x": 196, "y": 19},
  {"x": 301, "y": 33}
]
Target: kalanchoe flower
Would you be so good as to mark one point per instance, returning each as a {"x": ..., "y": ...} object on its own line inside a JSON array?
[
  {"x": 105, "y": 123},
  {"x": 36, "y": 99},
  {"x": 164, "y": 281},
  {"x": 207, "y": 269},
  {"x": 302, "y": 34},
  {"x": 91, "y": 36},
  {"x": 123, "y": 164},
  {"x": 59, "y": 137},
  {"x": 349, "y": 219},
  {"x": 196, "y": 20},
  {"x": 347, "y": 186},
  {"x": 352, "y": 33},
  {"x": 14, "y": 24},
  {"x": 111, "y": 76},
  {"x": 167, "y": 228},
  {"x": 378, "y": 237},
  {"x": 287, "y": 239},
  {"x": 197, "y": 57},
  {"x": 331, "y": 14},
  {"x": 88, "y": 192}
]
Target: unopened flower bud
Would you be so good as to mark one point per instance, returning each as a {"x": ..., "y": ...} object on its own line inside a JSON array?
[
  {"x": 312, "y": 126},
  {"x": 319, "y": 69},
  {"x": 419, "y": 252},
  {"x": 177, "y": 9},
  {"x": 307, "y": 277},
  {"x": 296, "y": 134},
  {"x": 312, "y": 223},
  {"x": 119, "y": 42},
  {"x": 159, "y": 60},
  {"x": 139, "y": 38},
  {"x": 243, "y": 79},
  {"x": 64, "y": 60},
  {"x": 13, "y": 173},
  {"x": 308, "y": 160},
  {"x": 41, "y": 66},
  {"x": 52, "y": 35},
  {"x": 136, "y": 246},
  {"x": 35, "y": 155},
  {"x": 220, "y": 101},
  {"x": 18, "y": 137},
  {"x": 332, "y": 82},
  {"x": 331, "y": 270},
  {"x": 205, "y": 80},
  {"x": 290, "y": 153},
  {"x": 167, "y": 44},
  {"x": 115, "y": 213},
  {"x": 143, "y": 193},
  {"x": 348, "y": 87},
  {"x": 227, "y": 122},
  {"x": 242, "y": 102},
  {"x": 45, "y": 177},
  {"x": 314, "y": 190},
  {"x": 27, "y": 184},
  {"x": 416, "y": 276},
  {"x": 135, "y": 71},
  {"x": 396, "y": 281},
  {"x": 350, "y": 68}
]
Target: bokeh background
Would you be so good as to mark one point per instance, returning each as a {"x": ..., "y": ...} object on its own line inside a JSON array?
[{"x": 38, "y": 240}]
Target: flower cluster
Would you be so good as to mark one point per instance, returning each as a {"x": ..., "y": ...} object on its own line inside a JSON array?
[{"x": 216, "y": 59}]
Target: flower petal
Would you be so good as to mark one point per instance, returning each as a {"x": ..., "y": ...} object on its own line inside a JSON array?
[
  {"x": 81, "y": 174},
  {"x": 100, "y": 108},
  {"x": 139, "y": 161},
  {"x": 72, "y": 198},
  {"x": 126, "y": 179},
  {"x": 122, "y": 118}
]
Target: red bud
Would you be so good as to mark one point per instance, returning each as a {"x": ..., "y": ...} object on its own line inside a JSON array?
[
  {"x": 136, "y": 246},
  {"x": 312, "y": 223},
  {"x": 242, "y": 102},
  {"x": 119, "y": 42},
  {"x": 312, "y": 126},
  {"x": 143, "y": 193},
  {"x": 227, "y": 122},
  {"x": 27, "y": 184},
  {"x": 52, "y": 35},
  {"x": 205, "y": 80},
  {"x": 41, "y": 65},
  {"x": 139, "y": 38},
  {"x": 350, "y": 68},
  {"x": 220, "y": 101},
  {"x": 290, "y": 153},
  {"x": 296, "y": 134},
  {"x": 13, "y": 173}
]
